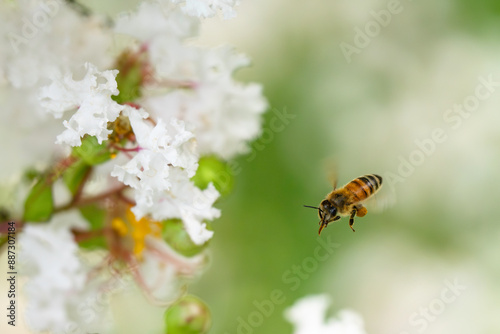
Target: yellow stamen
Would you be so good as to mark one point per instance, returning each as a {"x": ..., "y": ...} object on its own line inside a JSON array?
[
  {"x": 137, "y": 229},
  {"x": 119, "y": 226}
]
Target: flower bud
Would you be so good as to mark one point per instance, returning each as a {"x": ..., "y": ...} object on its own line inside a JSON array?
[
  {"x": 211, "y": 169},
  {"x": 175, "y": 235},
  {"x": 189, "y": 315}
]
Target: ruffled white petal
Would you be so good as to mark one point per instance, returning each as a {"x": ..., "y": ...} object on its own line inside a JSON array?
[
  {"x": 58, "y": 294},
  {"x": 224, "y": 114},
  {"x": 183, "y": 200},
  {"x": 92, "y": 98},
  {"x": 160, "y": 174}
]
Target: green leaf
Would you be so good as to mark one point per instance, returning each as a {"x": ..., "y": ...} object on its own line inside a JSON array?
[
  {"x": 39, "y": 204},
  {"x": 129, "y": 86},
  {"x": 98, "y": 242},
  {"x": 96, "y": 217},
  {"x": 91, "y": 152},
  {"x": 32, "y": 174},
  {"x": 130, "y": 78},
  {"x": 74, "y": 175}
]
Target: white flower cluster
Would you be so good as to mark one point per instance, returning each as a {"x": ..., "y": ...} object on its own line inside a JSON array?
[
  {"x": 222, "y": 113},
  {"x": 56, "y": 63},
  {"x": 197, "y": 106},
  {"x": 160, "y": 174},
  {"x": 308, "y": 316},
  {"x": 92, "y": 99},
  {"x": 41, "y": 40},
  {"x": 58, "y": 286}
]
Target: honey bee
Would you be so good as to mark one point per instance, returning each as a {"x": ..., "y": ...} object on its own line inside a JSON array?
[{"x": 347, "y": 200}]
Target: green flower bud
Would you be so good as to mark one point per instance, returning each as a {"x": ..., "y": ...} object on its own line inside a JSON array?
[
  {"x": 175, "y": 235},
  {"x": 189, "y": 315},
  {"x": 213, "y": 170}
]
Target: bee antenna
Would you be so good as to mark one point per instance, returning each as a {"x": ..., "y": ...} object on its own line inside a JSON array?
[{"x": 313, "y": 207}]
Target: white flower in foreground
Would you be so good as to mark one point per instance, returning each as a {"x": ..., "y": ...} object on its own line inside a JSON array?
[
  {"x": 160, "y": 149},
  {"x": 57, "y": 284},
  {"x": 160, "y": 174},
  {"x": 308, "y": 316},
  {"x": 185, "y": 201},
  {"x": 208, "y": 8},
  {"x": 91, "y": 96}
]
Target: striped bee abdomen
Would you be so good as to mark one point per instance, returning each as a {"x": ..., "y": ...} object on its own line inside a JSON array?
[{"x": 364, "y": 186}]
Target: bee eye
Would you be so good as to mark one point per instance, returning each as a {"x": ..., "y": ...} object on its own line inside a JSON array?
[{"x": 333, "y": 211}]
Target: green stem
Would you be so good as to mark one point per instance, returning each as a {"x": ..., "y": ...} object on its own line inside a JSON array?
[{"x": 89, "y": 200}]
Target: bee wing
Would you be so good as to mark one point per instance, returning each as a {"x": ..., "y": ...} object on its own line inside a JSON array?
[
  {"x": 381, "y": 201},
  {"x": 331, "y": 172}
]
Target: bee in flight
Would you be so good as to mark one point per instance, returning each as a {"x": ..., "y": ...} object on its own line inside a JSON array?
[{"x": 347, "y": 200}]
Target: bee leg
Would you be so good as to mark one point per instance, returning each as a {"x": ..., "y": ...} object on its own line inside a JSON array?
[
  {"x": 361, "y": 211},
  {"x": 351, "y": 219},
  {"x": 323, "y": 225}
]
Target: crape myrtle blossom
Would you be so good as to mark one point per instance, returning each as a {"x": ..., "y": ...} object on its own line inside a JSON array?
[
  {"x": 170, "y": 143},
  {"x": 160, "y": 173},
  {"x": 308, "y": 316},
  {"x": 223, "y": 114},
  {"x": 45, "y": 38},
  {"x": 58, "y": 278},
  {"x": 40, "y": 40},
  {"x": 91, "y": 96},
  {"x": 132, "y": 135},
  {"x": 185, "y": 201}
]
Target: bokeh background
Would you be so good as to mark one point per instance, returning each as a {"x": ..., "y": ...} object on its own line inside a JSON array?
[{"x": 366, "y": 115}]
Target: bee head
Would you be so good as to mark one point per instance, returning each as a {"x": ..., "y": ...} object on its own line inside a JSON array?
[{"x": 327, "y": 212}]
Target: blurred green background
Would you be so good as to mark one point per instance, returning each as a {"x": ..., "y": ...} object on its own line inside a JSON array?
[{"x": 365, "y": 114}]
